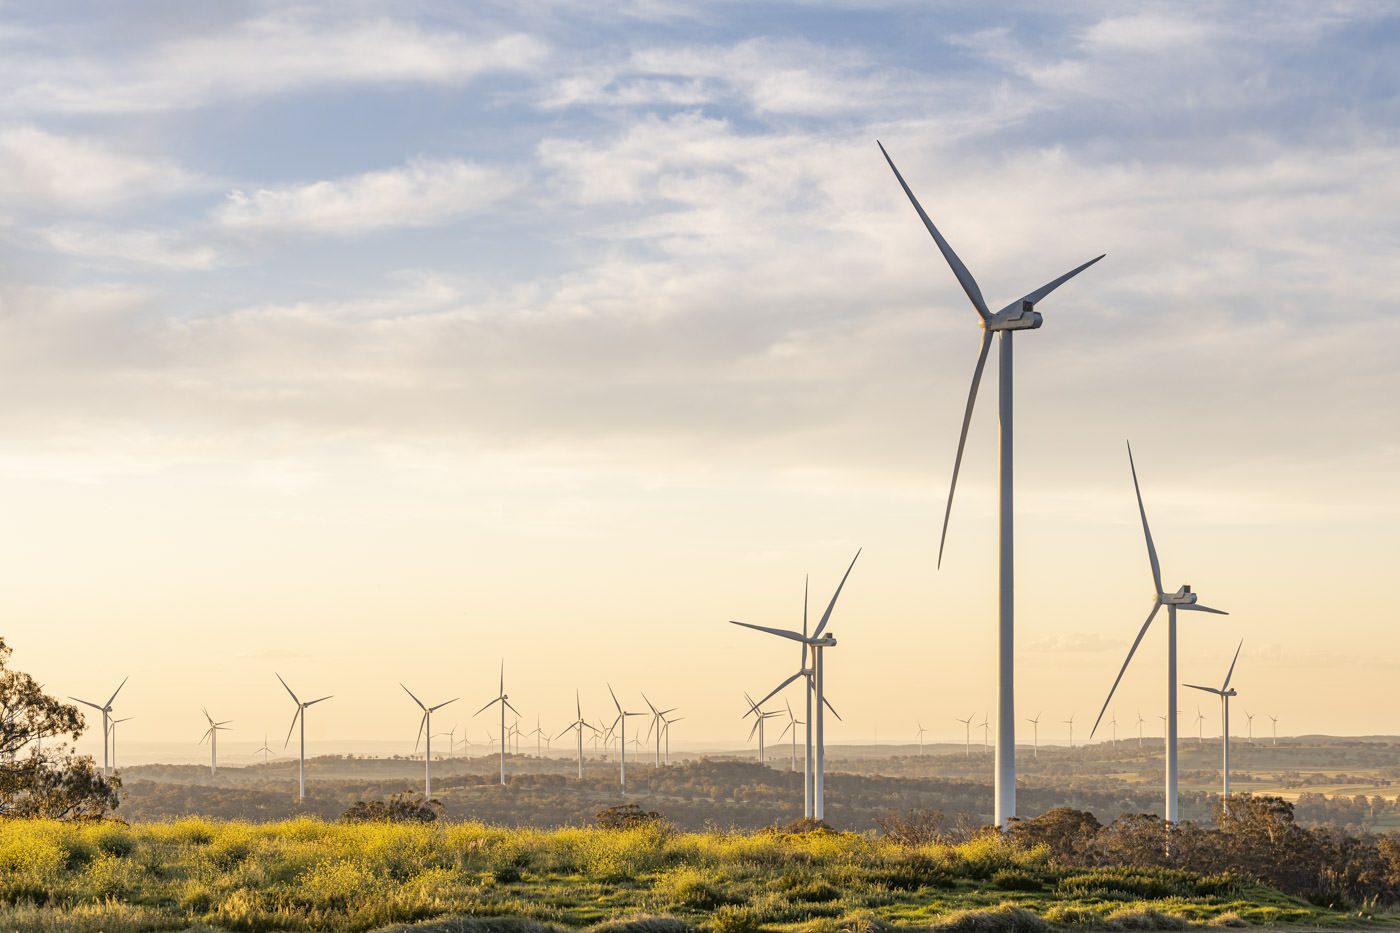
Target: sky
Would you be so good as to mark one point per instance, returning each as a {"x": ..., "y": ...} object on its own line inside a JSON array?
[{"x": 378, "y": 343}]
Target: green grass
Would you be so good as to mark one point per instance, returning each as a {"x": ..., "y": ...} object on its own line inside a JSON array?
[{"x": 311, "y": 875}]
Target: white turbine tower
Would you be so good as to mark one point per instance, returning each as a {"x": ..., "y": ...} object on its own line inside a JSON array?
[
  {"x": 1070, "y": 722},
  {"x": 793, "y": 723},
  {"x": 212, "y": 734},
  {"x": 504, "y": 700},
  {"x": 425, "y": 726},
  {"x": 986, "y": 727},
  {"x": 299, "y": 716},
  {"x": 922, "y": 730},
  {"x": 1140, "y": 722},
  {"x": 113, "y": 728},
  {"x": 666, "y": 732},
  {"x": 1200, "y": 727},
  {"x": 579, "y": 724},
  {"x": 1225, "y": 692},
  {"x": 1250, "y": 717},
  {"x": 816, "y": 693},
  {"x": 1182, "y": 599},
  {"x": 106, "y": 710},
  {"x": 1035, "y": 734},
  {"x": 1275, "y": 720},
  {"x": 1114, "y": 723},
  {"x": 1019, "y": 315},
  {"x": 620, "y": 725}
]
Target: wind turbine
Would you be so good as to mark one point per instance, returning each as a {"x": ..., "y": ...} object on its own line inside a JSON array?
[
  {"x": 504, "y": 700},
  {"x": 539, "y": 734},
  {"x": 621, "y": 721},
  {"x": 1035, "y": 733},
  {"x": 299, "y": 716},
  {"x": 425, "y": 726},
  {"x": 1250, "y": 717},
  {"x": 985, "y": 726},
  {"x": 761, "y": 717},
  {"x": 1019, "y": 315},
  {"x": 579, "y": 724},
  {"x": 1200, "y": 727},
  {"x": 816, "y": 695},
  {"x": 1070, "y": 722},
  {"x": 793, "y": 723},
  {"x": 1182, "y": 599},
  {"x": 113, "y": 728},
  {"x": 1140, "y": 722},
  {"x": 1114, "y": 722},
  {"x": 922, "y": 730},
  {"x": 658, "y": 717},
  {"x": 212, "y": 734},
  {"x": 967, "y": 735},
  {"x": 451, "y": 741},
  {"x": 1275, "y": 719},
  {"x": 265, "y": 750},
  {"x": 106, "y": 710},
  {"x": 666, "y": 732},
  {"x": 1225, "y": 692}
]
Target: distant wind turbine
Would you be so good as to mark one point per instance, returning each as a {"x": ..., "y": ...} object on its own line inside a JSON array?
[
  {"x": 425, "y": 728},
  {"x": 1019, "y": 315},
  {"x": 1070, "y": 722},
  {"x": 814, "y": 678},
  {"x": 793, "y": 723},
  {"x": 620, "y": 725},
  {"x": 578, "y": 725},
  {"x": 666, "y": 736},
  {"x": 922, "y": 730},
  {"x": 212, "y": 734},
  {"x": 113, "y": 728},
  {"x": 1114, "y": 723},
  {"x": 967, "y": 735},
  {"x": 1182, "y": 599},
  {"x": 299, "y": 716},
  {"x": 986, "y": 728},
  {"x": 760, "y": 718},
  {"x": 1225, "y": 692},
  {"x": 106, "y": 710},
  {"x": 264, "y": 750},
  {"x": 1275, "y": 719},
  {"x": 504, "y": 700},
  {"x": 1250, "y": 718},
  {"x": 657, "y": 725},
  {"x": 1035, "y": 734},
  {"x": 1200, "y": 727},
  {"x": 1140, "y": 722}
]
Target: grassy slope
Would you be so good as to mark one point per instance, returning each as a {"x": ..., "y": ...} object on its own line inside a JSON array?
[{"x": 307, "y": 874}]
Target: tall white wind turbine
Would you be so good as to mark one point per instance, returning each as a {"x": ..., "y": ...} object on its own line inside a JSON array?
[
  {"x": 1182, "y": 599},
  {"x": 760, "y": 717},
  {"x": 265, "y": 751},
  {"x": 666, "y": 736},
  {"x": 619, "y": 725},
  {"x": 212, "y": 734},
  {"x": 1140, "y": 722},
  {"x": 1035, "y": 734},
  {"x": 504, "y": 700},
  {"x": 922, "y": 730},
  {"x": 967, "y": 735},
  {"x": 657, "y": 724},
  {"x": 1200, "y": 727},
  {"x": 1275, "y": 720},
  {"x": 299, "y": 717},
  {"x": 579, "y": 724},
  {"x": 106, "y": 710},
  {"x": 814, "y": 677},
  {"x": 1250, "y": 717},
  {"x": 1019, "y": 315},
  {"x": 1070, "y": 722},
  {"x": 425, "y": 727},
  {"x": 793, "y": 723},
  {"x": 1225, "y": 693}
]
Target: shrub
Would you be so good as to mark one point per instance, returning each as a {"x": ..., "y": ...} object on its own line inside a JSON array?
[
  {"x": 400, "y": 808},
  {"x": 1004, "y": 919},
  {"x": 627, "y": 816},
  {"x": 732, "y": 919},
  {"x": 1010, "y": 879},
  {"x": 919, "y": 826}
]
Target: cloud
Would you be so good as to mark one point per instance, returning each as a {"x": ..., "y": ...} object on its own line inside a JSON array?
[
  {"x": 40, "y": 170},
  {"x": 421, "y": 194},
  {"x": 272, "y": 54},
  {"x": 138, "y": 247}
]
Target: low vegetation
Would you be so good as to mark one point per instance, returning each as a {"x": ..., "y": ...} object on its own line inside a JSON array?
[{"x": 308, "y": 874}]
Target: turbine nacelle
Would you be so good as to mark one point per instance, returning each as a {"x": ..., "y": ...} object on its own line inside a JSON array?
[
  {"x": 1182, "y": 597},
  {"x": 1019, "y": 315}
]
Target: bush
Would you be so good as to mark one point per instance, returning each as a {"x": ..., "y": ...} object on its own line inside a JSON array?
[
  {"x": 996, "y": 920},
  {"x": 732, "y": 919},
  {"x": 628, "y": 816},
  {"x": 400, "y": 808},
  {"x": 1010, "y": 879},
  {"x": 916, "y": 827}
]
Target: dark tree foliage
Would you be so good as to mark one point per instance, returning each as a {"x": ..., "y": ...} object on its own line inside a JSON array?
[
  {"x": 400, "y": 808},
  {"x": 1254, "y": 838},
  {"x": 628, "y": 816},
  {"x": 916, "y": 826},
  {"x": 47, "y": 782}
]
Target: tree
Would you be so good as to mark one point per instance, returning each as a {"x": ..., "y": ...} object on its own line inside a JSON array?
[{"x": 50, "y": 781}]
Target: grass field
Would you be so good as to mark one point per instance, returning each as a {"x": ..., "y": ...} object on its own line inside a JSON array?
[{"x": 312, "y": 875}]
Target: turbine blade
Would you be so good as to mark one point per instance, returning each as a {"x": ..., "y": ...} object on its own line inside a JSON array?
[
  {"x": 578, "y": 704},
  {"x": 291, "y": 727},
  {"x": 780, "y": 632},
  {"x": 319, "y": 699},
  {"x": 1231, "y": 672},
  {"x": 832, "y": 708},
  {"x": 614, "y": 699},
  {"x": 1049, "y": 287},
  {"x": 289, "y": 689},
  {"x": 444, "y": 703},
  {"x": 205, "y": 736},
  {"x": 113, "y": 697},
  {"x": 511, "y": 708},
  {"x": 826, "y": 616},
  {"x": 1197, "y": 607},
  {"x": 1136, "y": 641},
  {"x": 421, "y": 724},
  {"x": 775, "y": 691},
  {"x": 486, "y": 707},
  {"x": 965, "y": 279},
  {"x": 87, "y": 703},
  {"x": 1146, "y": 532},
  {"x": 962, "y": 438},
  {"x": 806, "y": 583},
  {"x": 1206, "y": 689},
  {"x": 410, "y": 693}
]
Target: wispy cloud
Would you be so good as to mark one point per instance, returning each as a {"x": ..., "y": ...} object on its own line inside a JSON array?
[
  {"x": 420, "y": 194},
  {"x": 45, "y": 171},
  {"x": 139, "y": 247}
]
